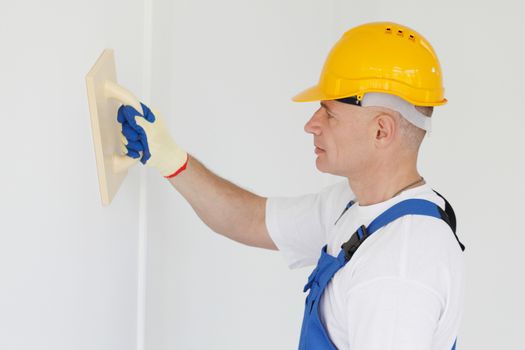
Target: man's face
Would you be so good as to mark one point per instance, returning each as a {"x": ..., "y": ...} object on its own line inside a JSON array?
[{"x": 343, "y": 137}]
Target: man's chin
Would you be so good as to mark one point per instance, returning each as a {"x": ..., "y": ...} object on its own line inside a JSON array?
[
  {"x": 323, "y": 168},
  {"x": 319, "y": 164}
]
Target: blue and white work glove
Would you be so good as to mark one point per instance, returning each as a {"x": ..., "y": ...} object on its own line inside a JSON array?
[{"x": 147, "y": 134}]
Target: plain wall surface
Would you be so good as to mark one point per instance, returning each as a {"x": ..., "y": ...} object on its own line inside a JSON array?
[
  {"x": 68, "y": 266},
  {"x": 222, "y": 74}
]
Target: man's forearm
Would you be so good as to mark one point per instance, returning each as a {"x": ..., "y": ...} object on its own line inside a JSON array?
[{"x": 226, "y": 208}]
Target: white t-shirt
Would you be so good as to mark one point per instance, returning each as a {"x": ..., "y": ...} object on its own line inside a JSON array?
[{"x": 403, "y": 289}]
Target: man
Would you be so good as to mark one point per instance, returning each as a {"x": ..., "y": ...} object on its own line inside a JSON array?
[{"x": 403, "y": 288}]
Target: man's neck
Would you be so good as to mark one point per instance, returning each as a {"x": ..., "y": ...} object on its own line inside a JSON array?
[{"x": 379, "y": 185}]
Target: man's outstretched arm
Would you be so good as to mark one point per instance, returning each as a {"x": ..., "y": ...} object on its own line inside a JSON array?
[{"x": 226, "y": 208}]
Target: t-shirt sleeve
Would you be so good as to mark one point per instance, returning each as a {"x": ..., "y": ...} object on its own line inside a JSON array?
[
  {"x": 392, "y": 313},
  {"x": 299, "y": 225}
]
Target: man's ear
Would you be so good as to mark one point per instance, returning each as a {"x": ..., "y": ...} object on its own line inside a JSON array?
[{"x": 385, "y": 129}]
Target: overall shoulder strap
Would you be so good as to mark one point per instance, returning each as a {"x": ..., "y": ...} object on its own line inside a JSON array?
[
  {"x": 450, "y": 218},
  {"x": 449, "y": 211},
  {"x": 406, "y": 207}
]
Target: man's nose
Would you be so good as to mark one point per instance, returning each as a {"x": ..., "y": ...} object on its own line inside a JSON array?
[{"x": 313, "y": 126}]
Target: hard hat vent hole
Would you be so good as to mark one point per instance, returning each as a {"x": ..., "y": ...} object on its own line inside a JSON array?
[
  {"x": 412, "y": 37},
  {"x": 400, "y": 32},
  {"x": 388, "y": 30}
]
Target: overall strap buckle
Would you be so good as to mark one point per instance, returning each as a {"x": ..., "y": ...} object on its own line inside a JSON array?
[{"x": 350, "y": 247}]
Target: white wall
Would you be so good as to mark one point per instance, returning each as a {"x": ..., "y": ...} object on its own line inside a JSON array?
[
  {"x": 223, "y": 73},
  {"x": 68, "y": 270},
  {"x": 226, "y": 88}
]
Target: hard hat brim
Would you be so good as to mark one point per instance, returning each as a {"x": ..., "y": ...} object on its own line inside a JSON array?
[
  {"x": 315, "y": 93},
  {"x": 311, "y": 94}
]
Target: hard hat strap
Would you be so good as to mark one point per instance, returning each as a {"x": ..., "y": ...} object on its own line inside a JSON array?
[
  {"x": 396, "y": 103},
  {"x": 379, "y": 99},
  {"x": 352, "y": 100}
]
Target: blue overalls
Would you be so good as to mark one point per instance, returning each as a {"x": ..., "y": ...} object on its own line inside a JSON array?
[{"x": 313, "y": 334}]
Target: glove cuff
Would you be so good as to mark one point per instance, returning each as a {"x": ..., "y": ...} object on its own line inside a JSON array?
[{"x": 181, "y": 169}]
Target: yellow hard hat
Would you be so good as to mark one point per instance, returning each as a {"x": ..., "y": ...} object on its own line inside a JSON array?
[{"x": 380, "y": 57}]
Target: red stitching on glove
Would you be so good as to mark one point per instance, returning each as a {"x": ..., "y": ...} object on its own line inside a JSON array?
[{"x": 180, "y": 170}]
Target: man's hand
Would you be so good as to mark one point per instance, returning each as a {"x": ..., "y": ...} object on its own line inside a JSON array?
[{"x": 146, "y": 136}]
